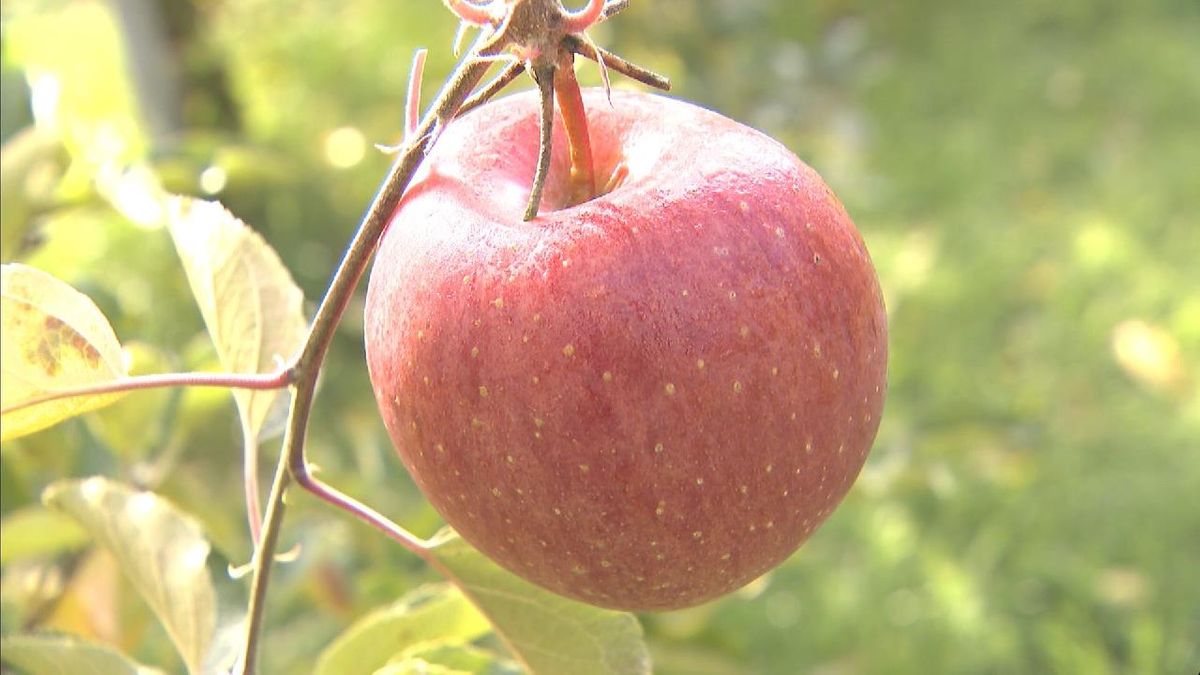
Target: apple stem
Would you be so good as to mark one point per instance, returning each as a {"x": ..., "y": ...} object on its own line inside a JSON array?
[
  {"x": 574, "y": 116},
  {"x": 544, "y": 77}
]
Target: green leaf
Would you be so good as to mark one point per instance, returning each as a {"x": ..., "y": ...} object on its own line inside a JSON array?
[
  {"x": 55, "y": 338},
  {"x": 34, "y": 531},
  {"x": 433, "y": 612},
  {"x": 253, "y": 309},
  {"x": 546, "y": 632},
  {"x": 428, "y": 658},
  {"x": 166, "y": 558},
  {"x": 63, "y": 655}
]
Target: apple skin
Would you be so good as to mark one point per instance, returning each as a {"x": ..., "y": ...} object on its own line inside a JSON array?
[{"x": 644, "y": 401}]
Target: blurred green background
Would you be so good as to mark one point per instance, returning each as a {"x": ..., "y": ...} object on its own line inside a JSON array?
[{"x": 1026, "y": 175}]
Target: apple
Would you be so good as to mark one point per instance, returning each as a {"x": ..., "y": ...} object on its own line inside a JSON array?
[{"x": 645, "y": 400}]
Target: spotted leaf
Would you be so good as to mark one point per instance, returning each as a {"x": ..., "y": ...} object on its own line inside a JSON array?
[{"x": 55, "y": 339}]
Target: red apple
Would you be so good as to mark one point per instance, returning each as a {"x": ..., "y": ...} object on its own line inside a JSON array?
[{"x": 643, "y": 401}]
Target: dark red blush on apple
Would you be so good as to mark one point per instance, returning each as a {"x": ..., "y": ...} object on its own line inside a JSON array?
[{"x": 643, "y": 401}]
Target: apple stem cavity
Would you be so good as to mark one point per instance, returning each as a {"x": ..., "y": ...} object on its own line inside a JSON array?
[
  {"x": 542, "y": 37},
  {"x": 557, "y": 82},
  {"x": 574, "y": 116}
]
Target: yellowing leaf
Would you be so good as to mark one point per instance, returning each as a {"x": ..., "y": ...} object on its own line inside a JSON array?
[
  {"x": 54, "y": 339},
  {"x": 546, "y": 632},
  {"x": 169, "y": 562},
  {"x": 251, "y": 306}
]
